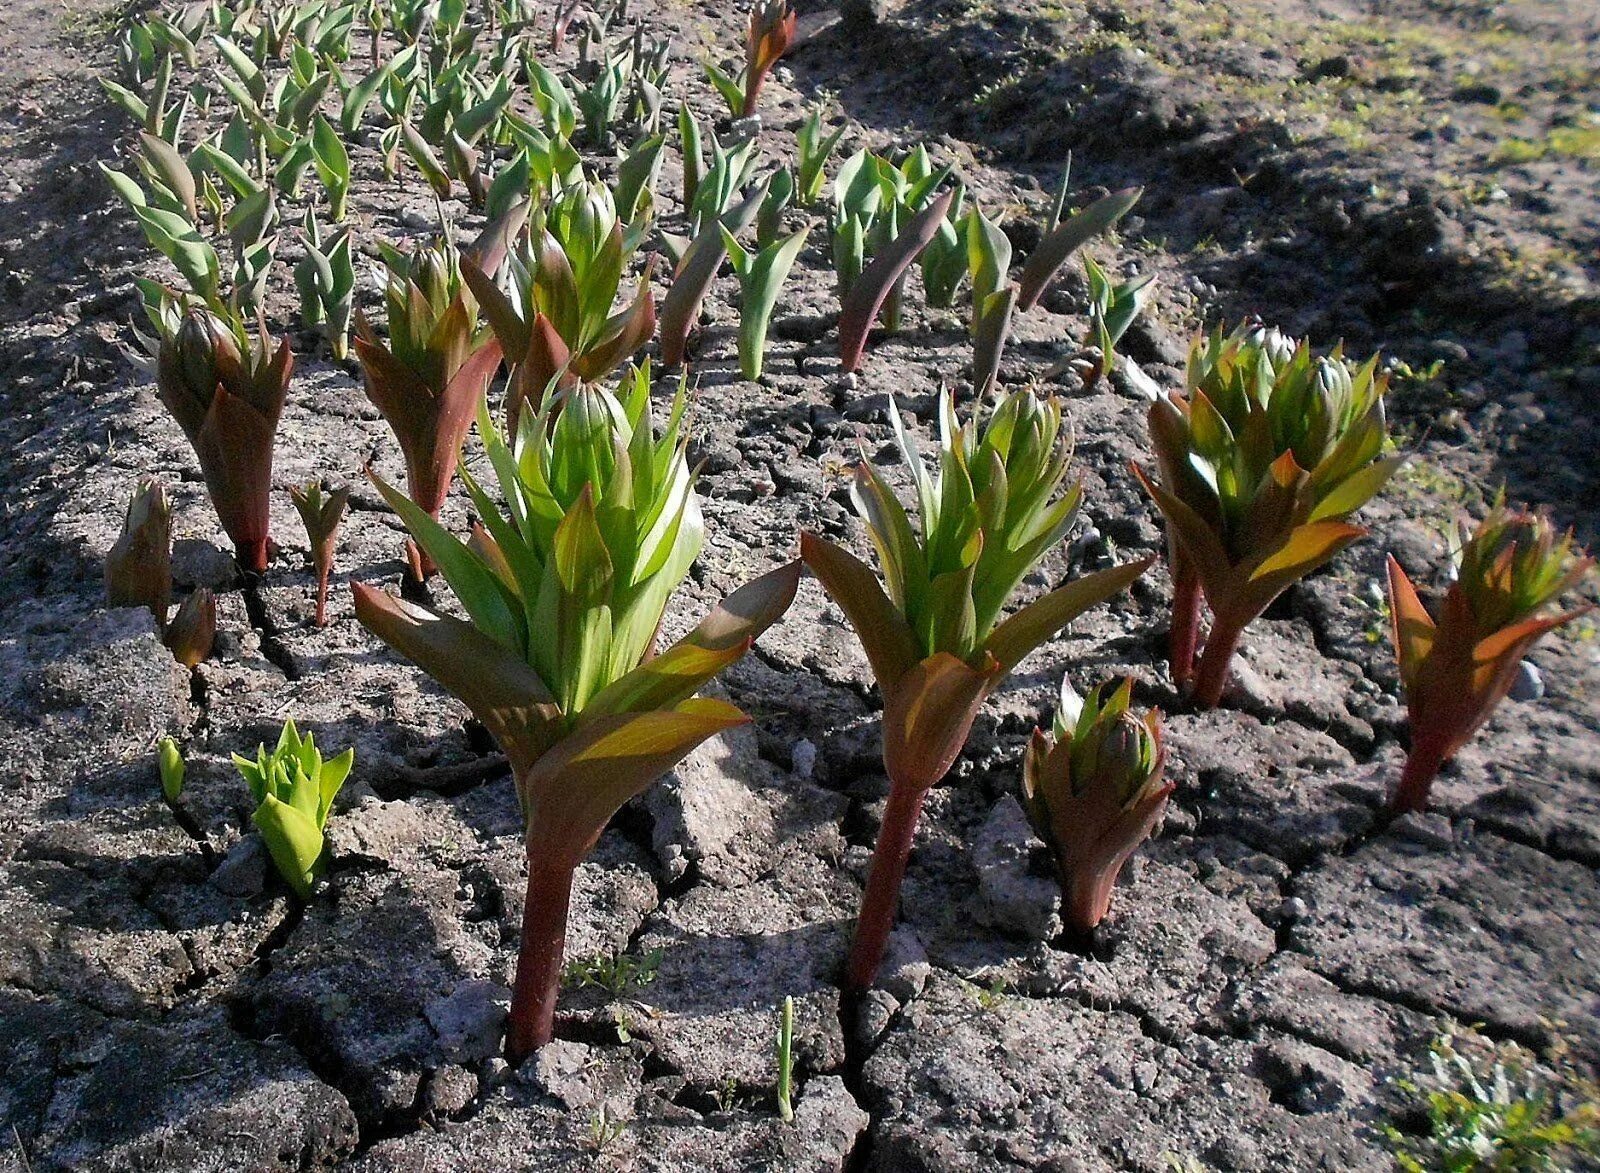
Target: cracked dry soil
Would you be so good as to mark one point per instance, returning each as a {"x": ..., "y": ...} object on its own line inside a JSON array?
[{"x": 1276, "y": 957}]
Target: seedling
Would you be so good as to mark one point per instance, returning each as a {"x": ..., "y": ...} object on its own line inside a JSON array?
[
  {"x": 693, "y": 275},
  {"x": 1113, "y": 305},
  {"x": 565, "y": 593},
  {"x": 617, "y": 972},
  {"x": 169, "y": 762},
  {"x": 812, "y": 153},
  {"x": 430, "y": 378},
  {"x": 934, "y": 638},
  {"x": 1259, "y": 467},
  {"x": 1093, "y": 790},
  {"x": 1456, "y": 669},
  {"x": 294, "y": 789},
  {"x": 771, "y": 32},
  {"x": 193, "y": 629},
  {"x": 226, "y": 392},
  {"x": 761, "y": 275},
  {"x": 332, "y": 163},
  {"x": 944, "y": 257},
  {"x": 554, "y": 319},
  {"x": 321, "y": 515},
  {"x": 786, "y": 1060},
  {"x": 867, "y": 294},
  {"x": 326, "y": 281},
  {"x": 138, "y": 570}
]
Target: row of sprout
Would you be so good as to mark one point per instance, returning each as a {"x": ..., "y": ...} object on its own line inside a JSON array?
[{"x": 593, "y": 520}]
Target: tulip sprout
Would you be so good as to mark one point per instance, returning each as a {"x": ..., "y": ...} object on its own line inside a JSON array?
[
  {"x": 761, "y": 275},
  {"x": 994, "y": 296},
  {"x": 565, "y": 592},
  {"x": 786, "y": 1060},
  {"x": 326, "y": 281},
  {"x": 1093, "y": 791},
  {"x": 771, "y": 32},
  {"x": 430, "y": 378},
  {"x": 554, "y": 320},
  {"x": 812, "y": 152},
  {"x": 294, "y": 790},
  {"x": 935, "y": 639},
  {"x": 1457, "y": 669},
  {"x": 1259, "y": 468}
]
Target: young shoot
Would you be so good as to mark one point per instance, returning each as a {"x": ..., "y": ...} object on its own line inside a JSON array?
[{"x": 932, "y": 630}]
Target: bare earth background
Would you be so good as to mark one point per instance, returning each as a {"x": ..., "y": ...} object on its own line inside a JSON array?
[{"x": 1417, "y": 175}]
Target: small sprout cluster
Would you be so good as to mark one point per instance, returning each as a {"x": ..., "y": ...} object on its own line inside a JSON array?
[
  {"x": 1093, "y": 790},
  {"x": 294, "y": 789}
]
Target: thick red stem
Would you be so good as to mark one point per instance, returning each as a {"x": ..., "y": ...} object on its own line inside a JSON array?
[
  {"x": 1221, "y": 642},
  {"x": 1086, "y": 898},
  {"x": 883, "y": 884},
  {"x": 1423, "y": 764},
  {"x": 1185, "y": 635},
  {"x": 544, "y": 939},
  {"x": 321, "y": 617},
  {"x": 252, "y": 555}
]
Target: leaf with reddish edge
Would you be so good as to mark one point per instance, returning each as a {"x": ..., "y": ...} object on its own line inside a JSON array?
[
  {"x": 1189, "y": 530},
  {"x": 884, "y": 634},
  {"x": 1412, "y": 627},
  {"x": 694, "y": 274},
  {"x": 234, "y": 446},
  {"x": 1066, "y": 238},
  {"x": 546, "y": 361},
  {"x": 928, "y": 713},
  {"x": 867, "y": 294},
  {"x": 507, "y": 323},
  {"x": 571, "y": 791},
  {"x": 623, "y": 333},
  {"x": 721, "y": 638},
  {"x": 502, "y": 691},
  {"x": 494, "y": 242},
  {"x": 1040, "y": 620},
  {"x": 764, "y": 45}
]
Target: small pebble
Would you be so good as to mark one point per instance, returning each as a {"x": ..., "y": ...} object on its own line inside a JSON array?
[
  {"x": 1528, "y": 684},
  {"x": 803, "y": 758}
]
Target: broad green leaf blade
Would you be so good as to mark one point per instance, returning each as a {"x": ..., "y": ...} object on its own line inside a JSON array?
[
  {"x": 1040, "y": 620},
  {"x": 572, "y": 791},
  {"x": 1066, "y": 238},
  {"x": 885, "y": 636},
  {"x": 502, "y": 691}
]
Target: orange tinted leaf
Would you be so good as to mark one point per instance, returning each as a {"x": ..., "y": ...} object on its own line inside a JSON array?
[
  {"x": 884, "y": 634},
  {"x": 1043, "y": 618},
  {"x": 928, "y": 714},
  {"x": 1410, "y": 623}
]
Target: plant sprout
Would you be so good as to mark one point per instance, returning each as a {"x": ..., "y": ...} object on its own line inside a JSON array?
[
  {"x": 1093, "y": 790},
  {"x": 1260, "y": 465},
  {"x": 430, "y": 378},
  {"x": 1456, "y": 669},
  {"x": 193, "y": 629},
  {"x": 226, "y": 392},
  {"x": 935, "y": 638},
  {"x": 294, "y": 790},
  {"x": 564, "y": 593},
  {"x": 786, "y": 1060},
  {"x": 761, "y": 275},
  {"x": 321, "y": 515},
  {"x": 138, "y": 570}
]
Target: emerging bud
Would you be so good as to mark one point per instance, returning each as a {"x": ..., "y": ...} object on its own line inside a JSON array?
[
  {"x": 1094, "y": 792},
  {"x": 138, "y": 570},
  {"x": 193, "y": 630},
  {"x": 169, "y": 761},
  {"x": 321, "y": 515},
  {"x": 226, "y": 394}
]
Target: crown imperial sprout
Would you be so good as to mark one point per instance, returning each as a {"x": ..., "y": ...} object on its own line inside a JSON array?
[
  {"x": 226, "y": 392},
  {"x": 933, "y": 632},
  {"x": 565, "y": 590},
  {"x": 322, "y": 514},
  {"x": 138, "y": 569},
  {"x": 554, "y": 317},
  {"x": 1260, "y": 465},
  {"x": 430, "y": 378},
  {"x": 1457, "y": 668},
  {"x": 1093, "y": 791}
]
